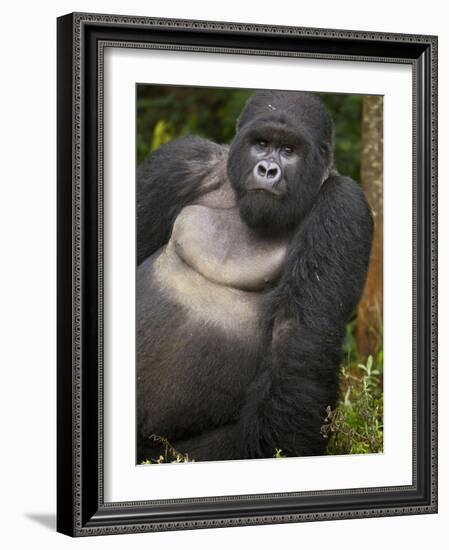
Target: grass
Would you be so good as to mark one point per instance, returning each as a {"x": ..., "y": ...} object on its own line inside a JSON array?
[
  {"x": 355, "y": 426},
  {"x": 170, "y": 454}
]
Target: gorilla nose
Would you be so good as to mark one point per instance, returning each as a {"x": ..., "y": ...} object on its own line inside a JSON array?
[{"x": 267, "y": 172}]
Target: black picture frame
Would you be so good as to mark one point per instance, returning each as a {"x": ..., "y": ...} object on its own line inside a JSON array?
[{"x": 81, "y": 510}]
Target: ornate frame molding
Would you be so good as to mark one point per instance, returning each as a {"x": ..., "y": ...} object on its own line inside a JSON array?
[{"x": 81, "y": 509}]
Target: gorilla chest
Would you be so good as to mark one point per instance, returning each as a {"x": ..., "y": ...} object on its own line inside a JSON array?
[
  {"x": 218, "y": 269},
  {"x": 216, "y": 244}
]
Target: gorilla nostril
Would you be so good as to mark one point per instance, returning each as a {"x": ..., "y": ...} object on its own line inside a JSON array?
[
  {"x": 261, "y": 170},
  {"x": 273, "y": 172}
]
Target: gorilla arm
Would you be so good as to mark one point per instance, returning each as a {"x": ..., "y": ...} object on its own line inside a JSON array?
[
  {"x": 172, "y": 177},
  {"x": 322, "y": 283}
]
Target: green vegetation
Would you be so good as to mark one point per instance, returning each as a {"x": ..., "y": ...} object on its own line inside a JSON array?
[
  {"x": 355, "y": 426},
  {"x": 170, "y": 454},
  {"x": 278, "y": 453},
  {"x": 346, "y": 111},
  {"x": 167, "y": 112}
]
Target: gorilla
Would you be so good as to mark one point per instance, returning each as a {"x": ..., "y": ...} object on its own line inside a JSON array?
[{"x": 251, "y": 259}]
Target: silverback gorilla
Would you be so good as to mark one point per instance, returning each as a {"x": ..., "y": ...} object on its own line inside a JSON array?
[{"x": 251, "y": 259}]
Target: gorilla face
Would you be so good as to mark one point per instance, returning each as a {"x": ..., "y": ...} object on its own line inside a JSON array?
[
  {"x": 279, "y": 158},
  {"x": 275, "y": 162}
]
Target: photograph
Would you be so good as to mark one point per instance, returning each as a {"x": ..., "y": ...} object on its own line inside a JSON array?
[{"x": 259, "y": 274}]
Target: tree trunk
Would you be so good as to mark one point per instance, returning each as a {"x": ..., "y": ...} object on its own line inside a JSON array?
[{"x": 369, "y": 331}]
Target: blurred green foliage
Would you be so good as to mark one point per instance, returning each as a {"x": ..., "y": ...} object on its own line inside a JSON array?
[{"x": 167, "y": 112}]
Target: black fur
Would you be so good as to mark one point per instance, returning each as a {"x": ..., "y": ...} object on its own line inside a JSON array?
[
  {"x": 167, "y": 180},
  {"x": 246, "y": 402}
]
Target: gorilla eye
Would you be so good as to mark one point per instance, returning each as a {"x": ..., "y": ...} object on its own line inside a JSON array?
[
  {"x": 287, "y": 149},
  {"x": 262, "y": 143}
]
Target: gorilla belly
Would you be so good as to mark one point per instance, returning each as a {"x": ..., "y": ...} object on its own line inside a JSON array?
[{"x": 199, "y": 327}]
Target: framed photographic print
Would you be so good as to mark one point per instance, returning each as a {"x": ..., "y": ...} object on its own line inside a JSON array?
[{"x": 246, "y": 274}]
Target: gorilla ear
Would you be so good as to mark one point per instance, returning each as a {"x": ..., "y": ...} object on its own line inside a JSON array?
[
  {"x": 324, "y": 149},
  {"x": 327, "y": 155}
]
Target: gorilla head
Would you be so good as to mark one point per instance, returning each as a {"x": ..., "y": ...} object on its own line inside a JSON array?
[{"x": 282, "y": 153}]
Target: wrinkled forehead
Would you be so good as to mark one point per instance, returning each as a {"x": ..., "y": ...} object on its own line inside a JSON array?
[{"x": 278, "y": 129}]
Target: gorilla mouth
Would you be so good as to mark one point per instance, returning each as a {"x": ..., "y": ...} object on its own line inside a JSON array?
[{"x": 262, "y": 191}]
